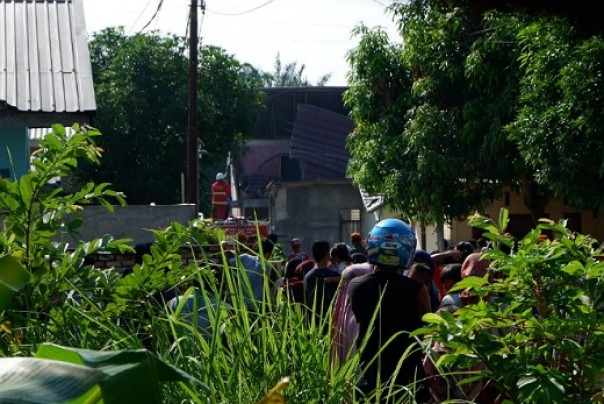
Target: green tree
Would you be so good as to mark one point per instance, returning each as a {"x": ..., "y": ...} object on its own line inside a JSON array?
[
  {"x": 141, "y": 91},
  {"x": 475, "y": 99},
  {"x": 559, "y": 128},
  {"x": 429, "y": 112},
  {"x": 290, "y": 75}
]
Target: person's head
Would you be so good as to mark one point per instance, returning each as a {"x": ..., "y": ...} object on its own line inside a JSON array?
[
  {"x": 358, "y": 258},
  {"x": 465, "y": 249},
  {"x": 391, "y": 244},
  {"x": 356, "y": 238},
  {"x": 290, "y": 267},
  {"x": 421, "y": 272},
  {"x": 219, "y": 176},
  {"x": 320, "y": 250},
  {"x": 340, "y": 253},
  {"x": 296, "y": 244},
  {"x": 273, "y": 237},
  {"x": 450, "y": 275},
  {"x": 267, "y": 248},
  {"x": 422, "y": 256},
  {"x": 241, "y": 237}
]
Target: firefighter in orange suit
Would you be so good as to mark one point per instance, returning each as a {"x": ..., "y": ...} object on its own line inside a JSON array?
[{"x": 221, "y": 194}]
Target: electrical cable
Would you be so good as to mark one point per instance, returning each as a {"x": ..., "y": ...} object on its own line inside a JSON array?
[
  {"x": 139, "y": 17},
  {"x": 159, "y": 6},
  {"x": 266, "y": 3}
]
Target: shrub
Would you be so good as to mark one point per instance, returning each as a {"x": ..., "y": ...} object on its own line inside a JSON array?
[{"x": 537, "y": 331}]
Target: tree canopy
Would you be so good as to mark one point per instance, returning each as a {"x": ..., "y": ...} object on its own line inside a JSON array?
[
  {"x": 289, "y": 75},
  {"x": 464, "y": 105},
  {"x": 141, "y": 91}
]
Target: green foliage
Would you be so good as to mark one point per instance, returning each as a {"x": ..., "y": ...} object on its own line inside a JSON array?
[
  {"x": 429, "y": 112},
  {"x": 537, "y": 330},
  {"x": 84, "y": 376},
  {"x": 141, "y": 84},
  {"x": 471, "y": 101},
  {"x": 289, "y": 75},
  {"x": 559, "y": 125},
  {"x": 35, "y": 267},
  {"x": 13, "y": 278}
]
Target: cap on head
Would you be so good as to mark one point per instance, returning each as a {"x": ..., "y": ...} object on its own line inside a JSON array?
[
  {"x": 356, "y": 236},
  {"x": 296, "y": 242},
  {"x": 219, "y": 176},
  {"x": 391, "y": 243}
]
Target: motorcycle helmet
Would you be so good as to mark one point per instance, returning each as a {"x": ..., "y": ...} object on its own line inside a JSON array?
[{"x": 391, "y": 243}]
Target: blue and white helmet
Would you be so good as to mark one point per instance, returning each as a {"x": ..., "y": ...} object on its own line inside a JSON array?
[{"x": 391, "y": 243}]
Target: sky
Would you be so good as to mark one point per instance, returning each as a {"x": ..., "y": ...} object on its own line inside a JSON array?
[{"x": 313, "y": 33}]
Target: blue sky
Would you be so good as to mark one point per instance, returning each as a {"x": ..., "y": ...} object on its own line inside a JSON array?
[{"x": 316, "y": 33}]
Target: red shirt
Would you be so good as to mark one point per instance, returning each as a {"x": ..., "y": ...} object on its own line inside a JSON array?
[{"x": 220, "y": 192}]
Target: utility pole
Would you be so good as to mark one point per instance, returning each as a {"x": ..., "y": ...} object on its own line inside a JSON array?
[{"x": 192, "y": 142}]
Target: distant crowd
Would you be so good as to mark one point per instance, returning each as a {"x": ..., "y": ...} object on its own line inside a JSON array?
[{"x": 377, "y": 289}]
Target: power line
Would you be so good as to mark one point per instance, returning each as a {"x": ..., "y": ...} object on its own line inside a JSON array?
[
  {"x": 266, "y": 3},
  {"x": 139, "y": 16},
  {"x": 159, "y": 6}
]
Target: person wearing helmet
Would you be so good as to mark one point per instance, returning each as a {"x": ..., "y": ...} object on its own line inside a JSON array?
[
  {"x": 388, "y": 306},
  {"x": 221, "y": 193}
]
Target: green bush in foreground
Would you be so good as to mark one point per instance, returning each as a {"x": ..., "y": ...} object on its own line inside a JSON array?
[{"x": 537, "y": 329}]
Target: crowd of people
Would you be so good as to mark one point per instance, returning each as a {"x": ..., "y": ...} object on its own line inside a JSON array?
[{"x": 376, "y": 290}]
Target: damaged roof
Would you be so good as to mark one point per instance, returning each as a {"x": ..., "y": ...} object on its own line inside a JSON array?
[{"x": 319, "y": 142}]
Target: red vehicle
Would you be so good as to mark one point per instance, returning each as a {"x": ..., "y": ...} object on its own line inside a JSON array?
[{"x": 250, "y": 228}]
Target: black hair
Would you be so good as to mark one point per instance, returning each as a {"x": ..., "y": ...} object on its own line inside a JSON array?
[
  {"x": 273, "y": 237},
  {"x": 320, "y": 249},
  {"x": 267, "y": 246},
  {"x": 451, "y": 271},
  {"x": 358, "y": 258},
  {"x": 465, "y": 248},
  {"x": 340, "y": 251},
  {"x": 421, "y": 256},
  {"x": 422, "y": 269},
  {"x": 290, "y": 267}
]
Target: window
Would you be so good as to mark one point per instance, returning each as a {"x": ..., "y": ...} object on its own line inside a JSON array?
[{"x": 350, "y": 222}]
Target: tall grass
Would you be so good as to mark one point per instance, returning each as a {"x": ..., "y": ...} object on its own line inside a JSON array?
[{"x": 245, "y": 351}]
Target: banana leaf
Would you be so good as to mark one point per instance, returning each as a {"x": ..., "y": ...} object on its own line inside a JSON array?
[
  {"x": 69, "y": 375},
  {"x": 31, "y": 380},
  {"x": 13, "y": 277}
]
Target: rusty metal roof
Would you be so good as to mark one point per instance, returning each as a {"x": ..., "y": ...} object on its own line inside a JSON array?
[{"x": 44, "y": 57}]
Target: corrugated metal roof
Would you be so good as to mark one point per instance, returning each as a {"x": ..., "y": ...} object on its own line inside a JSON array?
[
  {"x": 44, "y": 58},
  {"x": 319, "y": 142}
]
